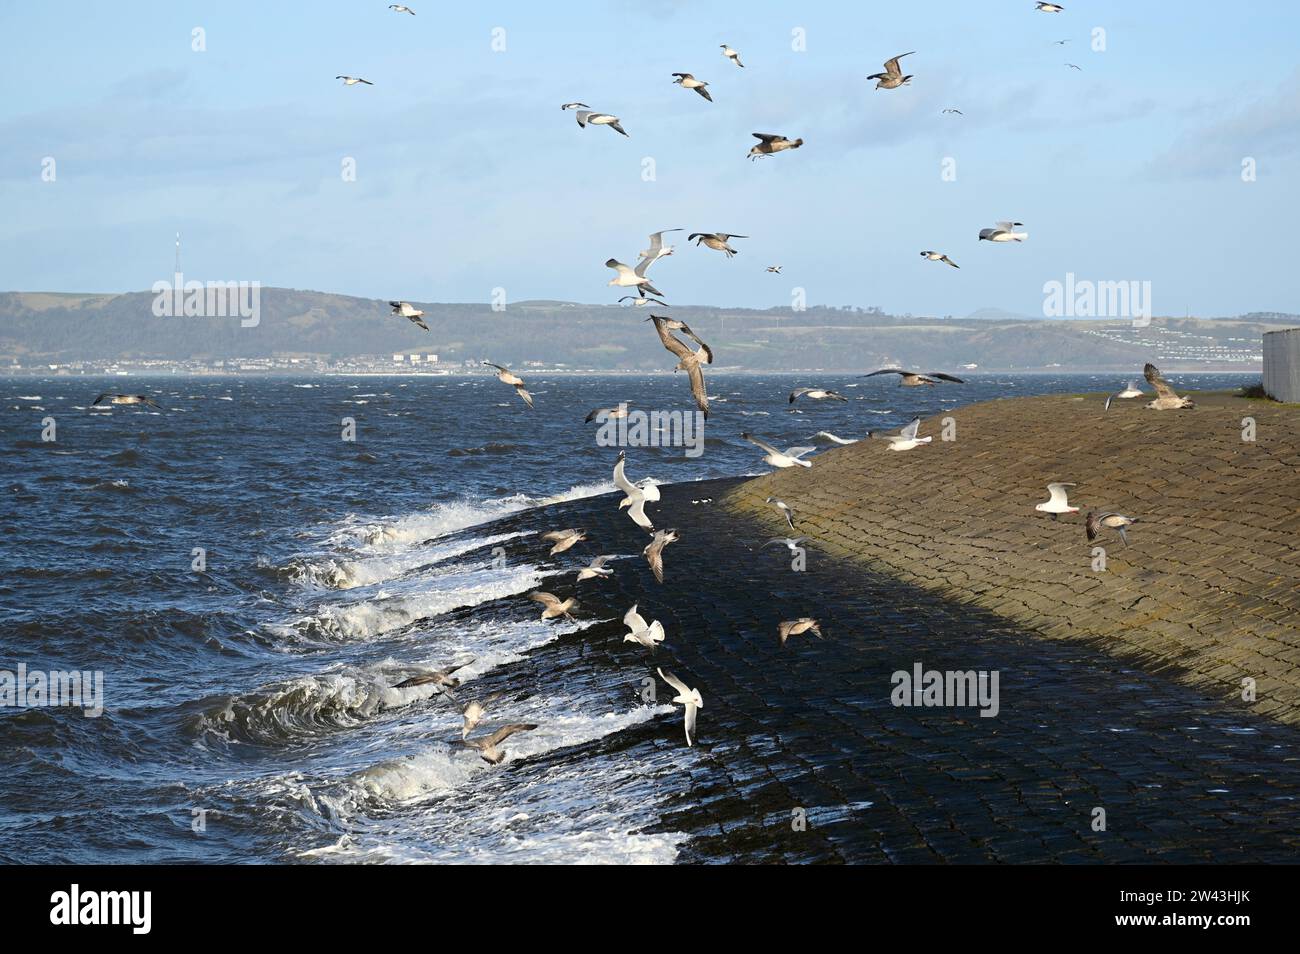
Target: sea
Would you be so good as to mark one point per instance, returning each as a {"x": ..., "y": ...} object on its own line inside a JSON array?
[{"x": 248, "y": 571}]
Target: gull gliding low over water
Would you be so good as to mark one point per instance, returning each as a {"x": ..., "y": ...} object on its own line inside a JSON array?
[
  {"x": 442, "y": 678},
  {"x": 688, "y": 360},
  {"x": 790, "y": 457},
  {"x": 110, "y": 398},
  {"x": 686, "y": 696},
  {"x": 1057, "y": 501},
  {"x": 506, "y": 376},
  {"x": 489, "y": 747},
  {"x": 816, "y": 394},
  {"x": 915, "y": 379},
  {"x": 474, "y": 711}
]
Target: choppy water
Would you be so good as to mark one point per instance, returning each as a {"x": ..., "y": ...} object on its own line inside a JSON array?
[{"x": 259, "y": 691}]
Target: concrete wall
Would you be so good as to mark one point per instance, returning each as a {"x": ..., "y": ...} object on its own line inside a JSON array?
[{"x": 1282, "y": 365}]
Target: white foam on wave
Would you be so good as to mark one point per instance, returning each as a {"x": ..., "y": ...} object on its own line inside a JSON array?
[{"x": 343, "y": 574}]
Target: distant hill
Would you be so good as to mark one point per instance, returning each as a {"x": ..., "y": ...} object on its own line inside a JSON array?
[{"x": 37, "y": 328}]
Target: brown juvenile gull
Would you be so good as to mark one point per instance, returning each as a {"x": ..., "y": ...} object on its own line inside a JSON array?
[
  {"x": 354, "y": 80},
  {"x": 769, "y": 145},
  {"x": 785, "y": 509},
  {"x": 506, "y": 376},
  {"x": 474, "y": 711},
  {"x": 489, "y": 747},
  {"x": 816, "y": 394},
  {"x": 688, "y": 360},
  {"x": 406, "y": 310},
  {"x": 637, "y": 496},
  {"x": 687, "y": 81},
  {"x": 654, "y": 551},
  {"x": 554, "y": 607},
  {"x": 1057, "y": 501},
  {"x": 442, "y": 678},
  {"x": 790, "y": 457},
  {"x": 628, "y": 277},
  {"x": 649, "y": 635},
  {"x": 586, "y": 117},
  {"x": 797, "y": 627},
  {"x": 688, "y": 697},
  {"x": 1131, "y": 390},
  {"x": 892, "y": 77},
  {"x": 563, "y": 539},
  {"x": 905, "y": 439},
  {"x": 596, "y": 569},
  {"x": 731, "y": 54},
  {"x": 613, "y": 413},
  {"x": 940, "y": 257},
  {"x": 1094, "y": 523},
  {"x": 915, "y": 379},
  {"x": 109, "y": 398},
  {"x": 639, "y": 300},
  {"x": 1166, "y": 399},
  {"x": 715, "y": 240},
  {"x": 664, "y": 323},
  {"x": 1004, "y": 232}
]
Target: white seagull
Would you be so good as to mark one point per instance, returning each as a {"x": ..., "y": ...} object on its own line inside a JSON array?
[
  {"x": 586, "y": 118},
  {"x": 790, "y": 457},
  {"x": 627, "y": 277},
  {"x": 786, "y": 510},
  {"x": 1049, "y": 7},
  {"x": 1131, "y": 390},
  {"x": 816, "y": 394},
  {"x": 792, "y": 544},
  {"x": 774, "y": 269},
  {"x": 687, "y": 81},
  {"x": 656, "y": 251},
  {"x": 688, "y": 697},
  {"x": 1004, "y": 232},
  {"x": 596, "y": 569},
  {"x": 575, "y": 106},
  {"x": 405, "y": 309},
  {"x": 905, "y": 439},
  {"x": 649, "y": 635},
  {"x": 939, "y": 257},
  {"x": 828, "y": 436},
  {"x": 474, "y": 711},
  {"x": 1057, "y": 502},
  {"x": 731, "y": 54},
  {"x": 354, "y": 80},
  {"x": 399, "y": 8},
  {"x": 637, "y": 495},
  {"x": 641, "y": 300}
]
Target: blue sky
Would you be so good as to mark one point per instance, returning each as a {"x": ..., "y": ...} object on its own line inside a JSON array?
[{"x": 469, "y": 177}]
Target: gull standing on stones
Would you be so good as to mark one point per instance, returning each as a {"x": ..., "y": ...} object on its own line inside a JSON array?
[
  {"x": 489, "y": 747},
  {"x": 586, "y": 117},
  {"x": 1095, "y": 522},
  {"x": 731, "y": 54},
  {"x": 649, "y": 635},
  {"x": 915, "y": 379},
  {"x": 816, "y": 394},
  {"x": 1005, "y": 232},
  {"x": 688, "y": 360},
  {"x": 637, "y": 496},
  {"x": 1057, "y": 502},
  {"x": 554, "y": 607},
  {"x": 563, "y": 539},
  {"x": 1166, "y": 399},
  {"x": 109, "y": 398},
  {"x": 790, "y": 457},
  {"x": 442, "y": 678},
  {"x": 905, "y": 439},
  {"x": 786, "y": 510},
  {"x": 654, "y": 551},
  {"x": 797, "y": 627},
  {"x": 769, "y": 145},
  {"x": 715, "y": 240},
  {"x": 688, "y": 697},
  {"x": 939, "y": 257},
  {"x": 354, "y": 80},
  {"x": 631, "y": 277},
  {"x": 596, "y": 569},
  {"x": 687, "y": 81},
  {"x": 473, "y": 712},
  {"x": 405, "y": 309},
  {"x": 506, "y": 376},
  {"x": 892, "y": 77}
]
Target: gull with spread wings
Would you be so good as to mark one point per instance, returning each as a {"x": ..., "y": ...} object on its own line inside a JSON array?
[{"x": 688, "y": 360}]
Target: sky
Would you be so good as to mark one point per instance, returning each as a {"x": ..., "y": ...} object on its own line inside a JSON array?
[{"x": 470, "y": 178}]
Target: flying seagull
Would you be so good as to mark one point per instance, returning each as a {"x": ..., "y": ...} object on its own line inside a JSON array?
[
  {"x": 636, "y": 496},
  {"x": 554, "y": 607},
  {"x": 1049, "y": 7},
  {"x": 939, "y": 257},
  {"x": 786, "y": 510},
  {"x": 1166, "y": 399},
  {"x": 731, "y": 54},
  {"x": 474, "y": 711},
  {"x": 1095, "y": 522},
  {"x": 797, "y": 627},
  {"x": 1057, "y": 501},
  {"x": 892, "y": 77},
  {"x": 564, "y": 539},
  {"x": 915, "y": 379},
  {"x": 687, "y": 81},
  {"x": 354, "y": 80},
  {"x": 1131, "y": 390},
  {"x": 586, "y": 117},
  {"x": 631, "y": 277},
  {"x": 790, "y": 457},
  {"x": 611, "y": 413},
  {"x": 639, "y": 300},
  {"x": 827, "y": 435},
  {"x": 688, "y": 697},
  {"x": 596, "y": 569},
  {"x": 108, "y": 398},
  {"x": 1004, "y": 232},
  {"x": 774, "y": 269},
  {"x": 654, "y": 551},
  {"x": 656, "y": 251},
  {"x": 506, "y": 376},
  {"x": 649, "y": 635},
  {"x": 406, "y": 310},
  {"x": 687, "y": 360},
  {"x": 816, "y": 394},
  {"x": 715, "y": 240},
  {"x": 956, "y": 112},
  {"x": 703, "y": 354},
  {"x": 398, "y": 8},
  {"x": 905, "y": 439},
  {"x": 791, "y": 543},
  {"x": 489, "y": 747},
  {"x": 769, "y": 145},
  {"x": 442, "y": 678},
  {"x": 1073, "y": 67},
  {"x": 575, "y": 106}
]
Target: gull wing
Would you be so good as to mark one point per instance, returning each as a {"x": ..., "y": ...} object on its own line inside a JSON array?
[
  {"x": 690, "y": 722},
  {"x": 1057, "y": 492},
  {"x": 944, "y": 377},
  {"x": 637, "y": 512},
  {"x": 549, "y": 600},
  {"x": 673, "y": 681},
  {"x": 909, "y": 432},
  {"x": 767, "y": 137},
  {"x": 499, "y": 367},
  {"x": 698, "y": 391},
  {"x": 891, "y": 66},
  {"x": 620, "y": 268},
  {"x": 798, "y": 393},
  {"x": 528, "y": 398},
  {"x": 506, "y": 731},
  {"x": 558, "y": 535},
  {"x": 600, "y": 561},
  {"x": 634, "y": 620},
  {"x": 1154, "y": 378},
  {"x": 797, "y": 452},
  {"x": 657, "y": 238},
  {"x": 621, "y": 481},
  {"x": 672, "y": 344},
  {"x": 763, "y": 444},
  {"x": 1008, "y": 226},
  {"x": 886, "y": 371}
]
